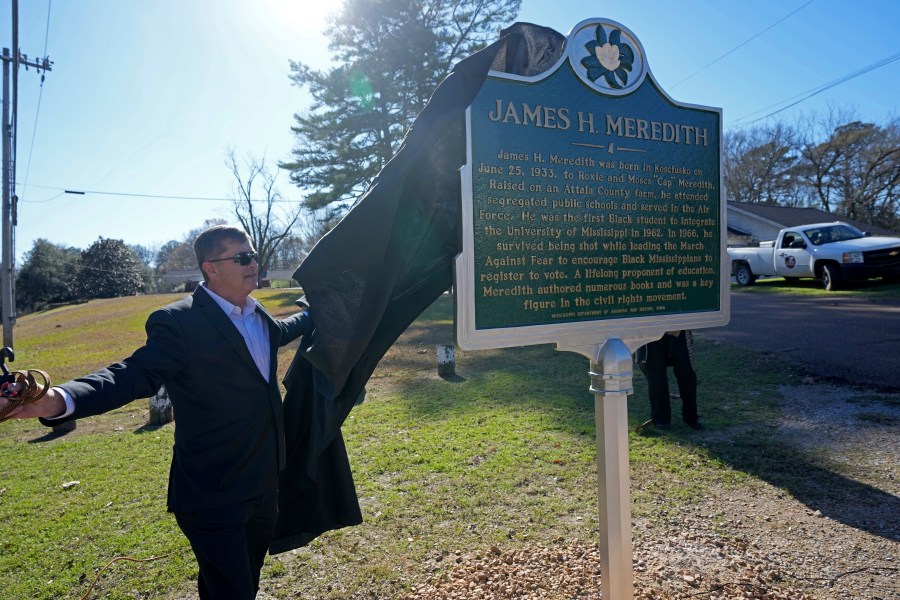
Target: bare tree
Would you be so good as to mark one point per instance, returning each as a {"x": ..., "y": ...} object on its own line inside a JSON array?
[
  {"x": 313, "y": 225},
  {"x": 179, "y": 255},
  {"x": 869, "y": 173},
  {"x": 760, "y": 165},
  {"x": 834, "y": 162},
  {"x": 855, "y": 170},
  {"x": 260, "y": 208},
  {"x": 820, "y": 158}
]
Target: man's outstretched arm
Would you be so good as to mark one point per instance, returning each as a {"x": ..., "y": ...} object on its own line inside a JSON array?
[{"x": 50, "y": 406}]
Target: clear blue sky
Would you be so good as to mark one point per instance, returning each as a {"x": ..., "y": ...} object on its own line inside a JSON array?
[{"x": 145, "y": 97}]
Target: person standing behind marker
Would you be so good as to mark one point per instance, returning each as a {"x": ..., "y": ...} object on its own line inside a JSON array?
[{"x": 675, "y": 348}]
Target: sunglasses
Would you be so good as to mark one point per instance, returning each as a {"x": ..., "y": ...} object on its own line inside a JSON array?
[{"x": 241, "y": 258}]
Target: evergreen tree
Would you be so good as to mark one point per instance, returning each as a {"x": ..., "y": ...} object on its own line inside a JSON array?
[
  {"x": 391, "y": 55},
  {"x": 47, "y": 275},
  {"x": 109, "y": 269}
]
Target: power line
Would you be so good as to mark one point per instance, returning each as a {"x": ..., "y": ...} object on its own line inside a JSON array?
[
  {"x": 815, "y": 91},
  {"x": 138, "y": 195},
  {"x": 130, "y": 194},
  {"x": 744, "y": 43},
  {"x": 50, "y": 199},
  {"x": 37, "y": 111}
]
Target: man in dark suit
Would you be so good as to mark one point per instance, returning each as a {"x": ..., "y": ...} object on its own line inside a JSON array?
[{"x": 216, "y": 353}]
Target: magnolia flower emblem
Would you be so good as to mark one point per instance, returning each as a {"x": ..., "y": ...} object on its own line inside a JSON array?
[{"x": 608, "y": 57}]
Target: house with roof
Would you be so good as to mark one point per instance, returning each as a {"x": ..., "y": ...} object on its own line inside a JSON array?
[{"x": 750, "y": 223}]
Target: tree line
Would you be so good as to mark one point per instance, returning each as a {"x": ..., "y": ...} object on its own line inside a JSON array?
[
  {"x": 833, "y": 162},
  {"x": 53, "y": 274}
]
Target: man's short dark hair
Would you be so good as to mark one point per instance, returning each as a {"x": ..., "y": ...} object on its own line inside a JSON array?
[{"x": 211, "y": 242}]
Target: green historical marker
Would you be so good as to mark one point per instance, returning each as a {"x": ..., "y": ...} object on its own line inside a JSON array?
[
  {"x": 592, "y": 218},
  {"x": 592, "y": 202}
]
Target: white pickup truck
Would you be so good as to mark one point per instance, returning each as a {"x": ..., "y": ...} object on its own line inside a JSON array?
[{"x": 833, "y": 252}]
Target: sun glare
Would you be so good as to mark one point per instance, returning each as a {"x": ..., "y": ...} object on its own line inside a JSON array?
[{"x": 305, "y": 15}]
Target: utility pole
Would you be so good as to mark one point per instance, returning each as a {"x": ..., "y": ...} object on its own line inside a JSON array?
[{"x": 8, "y": 217}]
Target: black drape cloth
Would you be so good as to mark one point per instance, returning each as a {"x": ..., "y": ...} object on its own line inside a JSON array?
[{"x": 387, "y": 260}]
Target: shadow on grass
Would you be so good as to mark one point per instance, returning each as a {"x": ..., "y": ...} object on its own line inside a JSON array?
[
  {"x": 741, "y": 415},
  {"x": 47, "y": 437},
  {"x": 835, "y": 496},
  {"x": 147, "y": 428},
  {"x": 52, "y": 434}
]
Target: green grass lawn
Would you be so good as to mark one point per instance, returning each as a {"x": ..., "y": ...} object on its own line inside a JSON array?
[
  {"x": 502, "y": 453},
  {"x": 875, "y": 288}
]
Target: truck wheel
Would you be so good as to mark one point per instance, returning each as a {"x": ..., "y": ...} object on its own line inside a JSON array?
[
  {"x": 832, "y": 279},
  {"x": 743, "y": 275}
]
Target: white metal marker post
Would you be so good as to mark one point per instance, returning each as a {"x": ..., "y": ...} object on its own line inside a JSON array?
[{"x": 611, "y": 382}]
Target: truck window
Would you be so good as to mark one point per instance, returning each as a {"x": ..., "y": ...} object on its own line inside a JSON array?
[
  {"x": 788, "y": 239},
  {"x": 833, "y": 233},
  {"x": 816, "y": 236}
]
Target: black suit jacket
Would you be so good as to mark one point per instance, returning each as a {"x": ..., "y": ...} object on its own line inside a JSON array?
[{"x": 229, "y": 434}]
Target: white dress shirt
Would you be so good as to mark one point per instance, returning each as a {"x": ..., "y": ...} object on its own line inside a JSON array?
[{"x": 251, "y": 326}]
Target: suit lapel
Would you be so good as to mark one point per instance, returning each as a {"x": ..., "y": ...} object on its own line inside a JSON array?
[{"x": 223, "y": 324}]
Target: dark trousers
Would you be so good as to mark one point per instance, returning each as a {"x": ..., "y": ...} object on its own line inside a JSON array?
[
  {"x": 230, "y": 544},
  {"x": 670, "y": 350}
]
